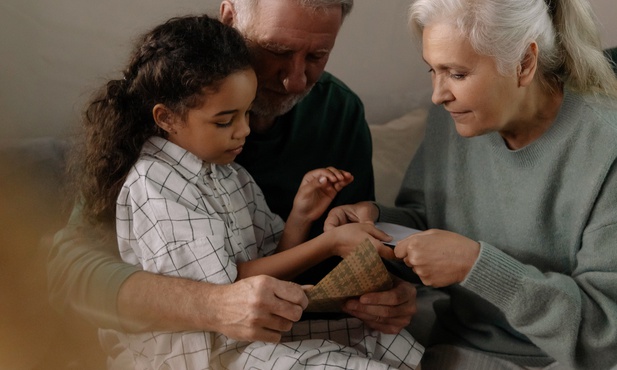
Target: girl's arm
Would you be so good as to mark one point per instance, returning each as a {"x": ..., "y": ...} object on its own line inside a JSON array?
[
  {"x": 317, "y": 190},
  {"x": 340, "y": 241}
]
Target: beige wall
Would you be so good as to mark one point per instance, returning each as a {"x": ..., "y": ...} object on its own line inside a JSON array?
[{"x": 54, "y": 53}]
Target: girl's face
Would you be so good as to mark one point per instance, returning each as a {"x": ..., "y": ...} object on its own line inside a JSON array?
[
  {"x": 216, "y": 131},
  {"x": 479, "y": 99}
]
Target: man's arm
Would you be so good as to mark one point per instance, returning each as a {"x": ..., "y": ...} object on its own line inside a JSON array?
[
  {"x": 256, "y": 308},
  {"x": 86, "y": 277},
  {"x": 85, "y": 273}
]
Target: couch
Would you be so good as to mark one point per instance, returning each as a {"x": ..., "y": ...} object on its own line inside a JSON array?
[{"x": 35, "y": 337}]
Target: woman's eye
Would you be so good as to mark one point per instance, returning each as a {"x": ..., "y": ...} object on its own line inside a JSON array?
[{"x": 458, "y": 76}]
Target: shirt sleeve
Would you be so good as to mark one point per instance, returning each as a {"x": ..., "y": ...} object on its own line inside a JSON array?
[
  {"x": 164, "y": 224},
  {"x": 85, "y": 272}
]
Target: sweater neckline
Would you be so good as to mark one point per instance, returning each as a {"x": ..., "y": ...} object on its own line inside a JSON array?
[{"x": 567, "y": 119}]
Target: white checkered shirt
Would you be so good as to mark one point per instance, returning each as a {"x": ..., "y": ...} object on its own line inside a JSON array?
[{"x": 179, "y": 216}]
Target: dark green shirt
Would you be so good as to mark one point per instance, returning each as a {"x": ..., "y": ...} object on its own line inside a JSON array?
[{"x": 327, "y": 128}]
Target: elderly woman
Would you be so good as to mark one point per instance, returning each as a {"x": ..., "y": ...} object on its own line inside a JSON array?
[{"x": 515, "y": 186}]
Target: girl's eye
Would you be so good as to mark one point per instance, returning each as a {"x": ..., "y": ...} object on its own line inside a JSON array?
[{"x": 223, "y": 124}]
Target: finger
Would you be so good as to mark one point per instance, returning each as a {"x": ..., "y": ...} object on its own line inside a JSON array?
[
  {"x": 384, "y": 252},
  {"x": 261, "y": 334},
  {"x": 290, "y": 294},
  {"x": 401, "y": 298},
  {"x": 385, "y": 324},
  {"x": 332, "y": 174},
  {"x": 400, "y": 250},
  {"x": 384, "y": 328},
  {"x": 375, "y": 232},
  {"x": 336, "y": 217},
  {"x": 277, "y": 324}
]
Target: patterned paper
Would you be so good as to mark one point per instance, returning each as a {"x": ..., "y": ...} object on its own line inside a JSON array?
[{"x": 361, "y": 272}]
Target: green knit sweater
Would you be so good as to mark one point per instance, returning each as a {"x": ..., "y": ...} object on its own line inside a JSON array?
[{"x": 544, "y": 287}]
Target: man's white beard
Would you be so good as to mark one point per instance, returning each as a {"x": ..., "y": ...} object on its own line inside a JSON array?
[{"x": 264, "y": 107}]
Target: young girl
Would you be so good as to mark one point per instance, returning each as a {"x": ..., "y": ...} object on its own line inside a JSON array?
[{"x": 159, "y": 161}]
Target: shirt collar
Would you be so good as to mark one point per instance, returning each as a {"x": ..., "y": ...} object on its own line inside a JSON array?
[{"x": 181, "y": 160}]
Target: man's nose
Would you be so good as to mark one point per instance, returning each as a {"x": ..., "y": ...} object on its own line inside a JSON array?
[{"x": 294, "y": 78}]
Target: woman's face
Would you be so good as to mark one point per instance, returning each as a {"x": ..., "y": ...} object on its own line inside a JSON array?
[{"x": 479, "y": 99}]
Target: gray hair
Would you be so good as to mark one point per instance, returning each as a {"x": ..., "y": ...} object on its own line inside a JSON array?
[
  {"x": 244, "y": 9},
  {"x": 565, "y": 31}
]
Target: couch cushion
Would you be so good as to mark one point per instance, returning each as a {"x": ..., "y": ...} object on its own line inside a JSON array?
[{"x": 394, "y": 144}]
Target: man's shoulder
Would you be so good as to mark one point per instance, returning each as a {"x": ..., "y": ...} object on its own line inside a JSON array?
[
  {"x": 331, "y": 92},
  {"x": 328, "y": 83}
]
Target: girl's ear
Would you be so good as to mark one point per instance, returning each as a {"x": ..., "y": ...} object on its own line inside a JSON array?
[{"x": 164, "y": 118}]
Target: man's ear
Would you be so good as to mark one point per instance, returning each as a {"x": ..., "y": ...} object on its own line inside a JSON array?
[
  {"x": 164, "y": 118},
  {"x": 227, "y": 13},
  {"x": 528, "y": 67}
]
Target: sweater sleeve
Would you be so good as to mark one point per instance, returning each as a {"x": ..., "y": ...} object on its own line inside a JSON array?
[
  {"x": 572, "y": 317},
  {"x": 85, "y": 272}
]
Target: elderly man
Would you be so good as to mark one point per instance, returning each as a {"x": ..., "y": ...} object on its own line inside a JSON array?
[{"x": 303, "y": 118}]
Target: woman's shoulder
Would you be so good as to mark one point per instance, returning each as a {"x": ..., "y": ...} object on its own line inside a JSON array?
[
  {"x": 599, "y": 106},
  {"x": 600, "y": 114}
]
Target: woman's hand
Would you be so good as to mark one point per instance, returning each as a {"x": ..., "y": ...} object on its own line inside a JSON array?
[
  {"x": 366, "y": 212},
  {"x": 440, "y": 258},
  {"x": 317, "y": 190}
]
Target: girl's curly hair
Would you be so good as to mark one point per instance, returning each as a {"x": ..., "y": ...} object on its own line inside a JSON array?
[{"x": 172, "y": 64}]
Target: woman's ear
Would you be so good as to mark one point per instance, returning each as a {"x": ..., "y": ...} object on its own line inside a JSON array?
[
  {"x": 164, "y": 118},
  {"x": 526, "y": 70}
]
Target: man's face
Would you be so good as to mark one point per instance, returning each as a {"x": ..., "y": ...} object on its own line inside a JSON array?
[{"x": 290, "y": 45}]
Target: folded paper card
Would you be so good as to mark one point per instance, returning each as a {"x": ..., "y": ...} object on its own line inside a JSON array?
[
  {"x": 361, "y": 272},
  {"x": 397, "y": 232}
]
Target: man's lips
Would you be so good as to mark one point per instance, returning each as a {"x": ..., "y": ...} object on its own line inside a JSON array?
[{"x": 276, "y": 92}]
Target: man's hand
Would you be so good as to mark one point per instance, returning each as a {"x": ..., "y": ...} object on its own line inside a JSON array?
[
  {"x": 349, "y": 213},
  {"x": 257, "y": 308},
  {"x": 389, "y": 311}
]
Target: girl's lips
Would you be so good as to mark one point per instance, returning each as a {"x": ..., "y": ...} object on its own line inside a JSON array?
[{"x": 237, "y": 150}]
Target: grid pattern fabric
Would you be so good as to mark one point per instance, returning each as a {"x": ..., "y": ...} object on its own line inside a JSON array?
[{"x": 179, "y": 216}]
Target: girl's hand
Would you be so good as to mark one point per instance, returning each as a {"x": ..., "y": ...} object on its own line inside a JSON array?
[
  {"x": 440, "y": 258},
  {"x": 344, "y": 239},
  {"x": 348, "y": 213},
  {"x": 317, "y": 190}
]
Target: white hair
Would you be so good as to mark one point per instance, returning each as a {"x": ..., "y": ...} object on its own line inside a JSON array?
[
  {"x": 569, "y": 48},
  {"x": 245, "y": 9}
]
